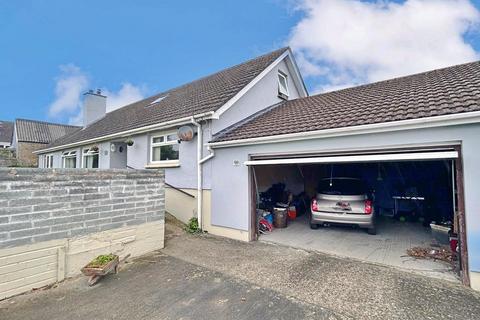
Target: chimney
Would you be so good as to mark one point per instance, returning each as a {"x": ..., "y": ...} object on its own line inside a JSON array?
[{"x": 94, "y": 106}]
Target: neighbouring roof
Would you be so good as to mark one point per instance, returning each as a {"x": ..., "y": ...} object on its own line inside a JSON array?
[
  {"x": 445, "y": 91},
  {"x": 6, "y": 131},
  {"x": 41, "y": 132},
  {"x": 204, "y": 95}
]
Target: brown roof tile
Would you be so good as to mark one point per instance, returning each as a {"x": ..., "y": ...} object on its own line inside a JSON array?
[
  {"x": 440, "y": 92},
  {"x": 203, "y": 95}
]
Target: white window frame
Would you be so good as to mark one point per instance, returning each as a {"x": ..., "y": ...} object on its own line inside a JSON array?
[
  {"x": 67, "y": 155},
  {"x": 48, "y": 161},
  {"x": 284, "y": 76},
  {"x": 88, "y": 152},
  {"x": 164, "y": 143}
]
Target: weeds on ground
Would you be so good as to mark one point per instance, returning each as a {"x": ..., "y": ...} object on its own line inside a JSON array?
[{"x": 192, "y": 226}]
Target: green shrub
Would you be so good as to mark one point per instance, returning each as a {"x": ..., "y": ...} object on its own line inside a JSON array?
[{"x": 192, "y": 226}]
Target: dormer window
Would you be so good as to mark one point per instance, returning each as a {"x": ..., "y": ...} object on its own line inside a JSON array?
[{"x": 282, "y": 85}]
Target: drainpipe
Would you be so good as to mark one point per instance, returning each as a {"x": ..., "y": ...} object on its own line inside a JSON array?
[
  {"x": 200, "y": 161},
  {"x": 199, "y": 172},
  {"x": 210, "y": 156}
]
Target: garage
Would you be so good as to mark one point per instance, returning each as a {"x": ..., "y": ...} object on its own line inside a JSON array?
[
  {"x": 410, "y": 195},
  {"x": 409, "y": 147}
]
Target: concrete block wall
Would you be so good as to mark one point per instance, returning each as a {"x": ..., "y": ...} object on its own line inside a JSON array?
[{"x": 45, "y": 204}]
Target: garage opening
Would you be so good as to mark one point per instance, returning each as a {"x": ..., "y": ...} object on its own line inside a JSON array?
[{"x": 396, "y": 207}]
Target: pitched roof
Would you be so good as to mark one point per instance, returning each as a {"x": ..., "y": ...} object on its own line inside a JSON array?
[
  {"x": 440, "y": 92},
  {"x": 41, "y": 132},
  {"x": 6, "y": 131},
  {"x": 204, "y": 95}
]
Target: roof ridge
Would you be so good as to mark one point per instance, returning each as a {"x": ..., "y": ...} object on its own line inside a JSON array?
[
  {"x": 397, "y": 78},
  {"x": 48, "y": 123},
  {"x": 204, "y": 77}
]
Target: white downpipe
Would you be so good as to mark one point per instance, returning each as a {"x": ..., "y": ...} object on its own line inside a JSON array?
[{"x": 199, "y": 172}]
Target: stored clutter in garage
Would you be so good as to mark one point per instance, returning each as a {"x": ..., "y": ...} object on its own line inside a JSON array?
[{"x": 413, "y": 208}]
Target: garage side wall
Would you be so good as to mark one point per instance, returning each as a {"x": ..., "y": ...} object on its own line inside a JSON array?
[{"x": 231, "y": 197}]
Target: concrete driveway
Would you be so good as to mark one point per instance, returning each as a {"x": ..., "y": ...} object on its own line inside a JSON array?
[{"x": 204, "y": 277}]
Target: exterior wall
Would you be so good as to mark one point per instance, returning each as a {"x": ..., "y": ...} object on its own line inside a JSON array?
[
  {"x": 25, "y": 153},
  {"x": 36, "y": 265},
  {"x": 182, "y": 206},
  {"x": 52, "y": 222},
  {"x": 118, "y": 159},
  {"x": 231, "y": 209},
  {"x": 261, "y": 96},
  {"x": 45, "y": 204}
]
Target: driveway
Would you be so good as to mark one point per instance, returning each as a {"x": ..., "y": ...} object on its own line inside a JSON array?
[{"x": 205, "y": 277}]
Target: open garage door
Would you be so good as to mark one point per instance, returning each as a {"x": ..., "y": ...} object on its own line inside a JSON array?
[
  {"x": 360, "y": 157},
  {"x": 414, "y": 193}
]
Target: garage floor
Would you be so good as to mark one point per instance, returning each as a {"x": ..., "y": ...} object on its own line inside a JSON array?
[{"x": 388, "y": 247}]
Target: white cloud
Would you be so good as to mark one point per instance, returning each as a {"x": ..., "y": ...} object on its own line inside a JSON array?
[
  {"x": 73, "y": 82},
  {"x": 69, "y": 85},
  {"x": 352, "y": 41},
  {"x": 127, "y": 94}
]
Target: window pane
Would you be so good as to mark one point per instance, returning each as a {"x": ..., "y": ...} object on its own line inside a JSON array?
[
  {"x": 169, "y": 152},
  {"x": 172, "y": 137},
  {"x": 282, "y": 84},
  {"x": 70, "y": 162},
  {"x": 91, "y": 162},
  {"x": 156, "y": 153},
  {"x": 157, "y": 139}
]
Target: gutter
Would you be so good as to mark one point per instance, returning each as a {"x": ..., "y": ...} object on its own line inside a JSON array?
[
  {"x": 125, "y": 134},
  {"x": 429, "y": 122}
]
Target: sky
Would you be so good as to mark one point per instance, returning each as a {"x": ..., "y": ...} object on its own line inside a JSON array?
[{"x": 52, "y": 51}]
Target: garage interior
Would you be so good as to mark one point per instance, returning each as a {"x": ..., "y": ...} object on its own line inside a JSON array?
[{"x": 415, "y": 201}]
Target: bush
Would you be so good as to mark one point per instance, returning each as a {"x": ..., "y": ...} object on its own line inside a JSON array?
[{"x": 192, "y": 226}]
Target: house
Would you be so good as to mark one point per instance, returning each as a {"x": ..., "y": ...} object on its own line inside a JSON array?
[
  {"x": 414, "y": 140},
  {"x": 226, "y": 139},
  {"x": 32, "y": 135},
  {"x": 6, "y": 133},
  {"x": 145, "y": 134}
]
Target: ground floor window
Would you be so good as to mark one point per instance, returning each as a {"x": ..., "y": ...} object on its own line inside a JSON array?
[
  {"x": 164, "y": 148},
  {"x": 90, "y": 158},
  {"x": 48, "y": 161},
  {"x": 69, "y": 159}
]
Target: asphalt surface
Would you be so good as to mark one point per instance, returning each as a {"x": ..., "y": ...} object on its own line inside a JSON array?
[{"x": 205, "y": 277}]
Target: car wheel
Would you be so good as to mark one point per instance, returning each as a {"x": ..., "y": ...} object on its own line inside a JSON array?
[
  {"x": 314, "y": 226},
  {"x": 372, "y": 231}
]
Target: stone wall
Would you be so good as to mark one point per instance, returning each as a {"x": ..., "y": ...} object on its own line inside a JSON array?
[
  {"x": 7, "y": 158},
  {"x": 44, "y": 204},
  {"x": 25, "y": 153}
]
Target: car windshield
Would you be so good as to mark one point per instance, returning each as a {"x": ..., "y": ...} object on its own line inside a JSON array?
[{"x": 335, "y": 186}]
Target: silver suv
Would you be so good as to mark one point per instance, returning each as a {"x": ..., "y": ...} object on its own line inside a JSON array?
[{"x": 343, "y": 201}]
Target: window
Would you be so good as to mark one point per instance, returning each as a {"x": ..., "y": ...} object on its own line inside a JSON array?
[
  {"x": 164, "y": 148},
  {"x": 69, "y": 159},
  {"x": 282, "y": 85},
  {"x": 48, "y": 161},
  {"x": 90, "y": 158}
]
